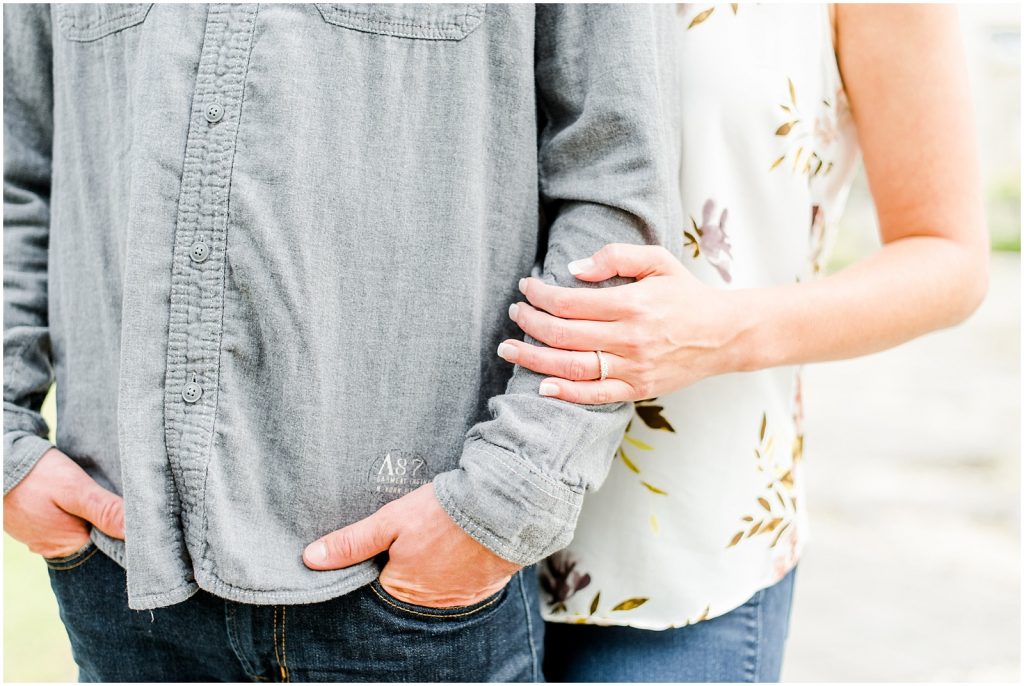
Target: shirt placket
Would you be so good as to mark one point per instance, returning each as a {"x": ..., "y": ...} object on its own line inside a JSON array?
[{"x": 198, "y": 261}]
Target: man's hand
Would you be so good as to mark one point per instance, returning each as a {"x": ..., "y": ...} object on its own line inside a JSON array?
[
  {"x": 51, "y": 508},
  {"x": 431, "y": 560}
]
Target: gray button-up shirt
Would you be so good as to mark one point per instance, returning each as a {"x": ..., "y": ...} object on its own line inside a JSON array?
[{"x": 267, "y": 252}]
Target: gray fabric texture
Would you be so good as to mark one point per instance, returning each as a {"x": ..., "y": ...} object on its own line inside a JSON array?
[{"x": 367, "y": 183}]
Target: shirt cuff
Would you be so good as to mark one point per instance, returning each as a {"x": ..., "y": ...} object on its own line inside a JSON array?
[
  {"x": 509, "y": 507},
  {"x": 22, "y": 449}
]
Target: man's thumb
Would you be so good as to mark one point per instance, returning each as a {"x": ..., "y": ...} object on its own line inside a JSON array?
[
  {"x": 93, "y": 503},
  {"x": 354, "y": 543}
]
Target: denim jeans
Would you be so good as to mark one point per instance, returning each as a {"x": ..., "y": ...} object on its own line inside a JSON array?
[
  {"x": 745, "y": 644},
  {"x": 364, "y": 635}
]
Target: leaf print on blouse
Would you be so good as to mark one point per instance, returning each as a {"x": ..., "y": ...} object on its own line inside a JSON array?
[
  {"x": 560, "y": 580},
  {"x": 683, "y": 9},
  {"x": 776, "y": 506},
  {"x": 651, "y": 416},
  {"x": 807, "y": 138},
  {"x": 798, "y": 415},
  {"x": 817, "y": 239},
  {"x": 710, "y": 238},
  {"x": 786, "y": 557}
]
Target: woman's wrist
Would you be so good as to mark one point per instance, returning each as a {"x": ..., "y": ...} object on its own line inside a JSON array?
[{"x": 749, "y": 345}]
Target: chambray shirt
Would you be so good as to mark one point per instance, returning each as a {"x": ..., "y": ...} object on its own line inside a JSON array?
[{"x": 267, "y": 251}]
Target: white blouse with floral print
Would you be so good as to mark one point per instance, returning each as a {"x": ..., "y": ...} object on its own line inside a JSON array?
[{"x": 704, "y": 502}]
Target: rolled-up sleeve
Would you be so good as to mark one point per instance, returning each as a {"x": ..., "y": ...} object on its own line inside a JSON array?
[
  {"x": 28, "y": 129},
  {"x": 608, "y": 155}
]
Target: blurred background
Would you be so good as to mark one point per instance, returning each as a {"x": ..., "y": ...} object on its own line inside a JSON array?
[{"x": 912, "y": 572}]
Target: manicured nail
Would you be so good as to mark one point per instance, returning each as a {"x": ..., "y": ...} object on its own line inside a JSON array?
[
  {"x": 577, "y": 267},
  {"x": 548, "y": 389},
  {"x": 317, "y": 552},
  {"x": 507, "y": 352},
  {"x": 512, "y": 309},
  {"x": 522, "y": 286}
]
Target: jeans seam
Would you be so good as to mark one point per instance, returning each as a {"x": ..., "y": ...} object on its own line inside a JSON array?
[
  {"x": 76, "y": 563},
  {"x": 277, "y": 651},
  {"x": 757, "y": 639},
  {"x": 529, "y": 630},
  {"x": 751, "y": 663},
  {"x": 284, "y": 643},
  {"x": 230, "y": 623}
]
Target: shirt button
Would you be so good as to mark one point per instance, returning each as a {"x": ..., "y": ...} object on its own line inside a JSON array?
[
  {"x": 214, "y": 112},
  {"x": 199, "y": 251},
  {"x": 192, "y": 391}
]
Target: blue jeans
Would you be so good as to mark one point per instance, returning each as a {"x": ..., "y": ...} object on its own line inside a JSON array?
[
  {"x": 365, "y": 635},
  {"x": 745, "y": 644}
]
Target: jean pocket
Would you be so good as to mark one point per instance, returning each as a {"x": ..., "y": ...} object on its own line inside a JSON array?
[
  {"x": 72, "y": 560},
  {"x": 433, "y": 21},
  {"x": 491, "y": 602},
  {"x": 83, "y": 22}
]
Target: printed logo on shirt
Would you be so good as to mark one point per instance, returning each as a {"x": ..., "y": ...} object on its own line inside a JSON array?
[{"x": 396, "y": 473}]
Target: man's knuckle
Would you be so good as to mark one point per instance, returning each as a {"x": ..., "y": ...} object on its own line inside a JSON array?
[
  {"x": 340, "y": 546},
  {"x": 380, "y": 531},
  {"x": 110, "y": 513}
]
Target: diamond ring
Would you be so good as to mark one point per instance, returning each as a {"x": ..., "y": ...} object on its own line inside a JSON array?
[{"x": 603, "y": 363}]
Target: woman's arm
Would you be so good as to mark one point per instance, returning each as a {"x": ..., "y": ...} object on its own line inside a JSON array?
[{"x": 905, "y": 76}]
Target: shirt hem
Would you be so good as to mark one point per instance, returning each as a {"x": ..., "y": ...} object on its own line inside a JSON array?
[{"x": 210, "y": 582}]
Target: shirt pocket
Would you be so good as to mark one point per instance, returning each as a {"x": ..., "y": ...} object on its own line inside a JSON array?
[
  {"x": 441, "y": 22},
  {"x": 83, "y": 22}
]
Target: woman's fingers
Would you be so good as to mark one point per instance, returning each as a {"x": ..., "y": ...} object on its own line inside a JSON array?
[
  {"x": 572, "y": 366},
  {"x": 625, "y": 259},
  {"x": 588, "y": 392},
  {"x": 567, "y": 334},
  {"x": 599, "y": 304}
]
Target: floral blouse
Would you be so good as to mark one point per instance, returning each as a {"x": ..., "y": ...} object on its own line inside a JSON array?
[{"x": 704, "y": 502}]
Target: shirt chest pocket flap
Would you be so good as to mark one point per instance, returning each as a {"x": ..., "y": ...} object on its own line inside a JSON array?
[
  {"x": 440, "y": 22},
  {"x": 84, "y": 22}
]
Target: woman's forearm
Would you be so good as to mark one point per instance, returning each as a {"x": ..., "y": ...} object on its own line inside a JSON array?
[{"x": 911, "y": 286}]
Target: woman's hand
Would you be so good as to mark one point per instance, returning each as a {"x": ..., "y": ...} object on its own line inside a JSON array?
[
  {"x": 660, "y": 333},
  {"x": 668, "y": 330}
]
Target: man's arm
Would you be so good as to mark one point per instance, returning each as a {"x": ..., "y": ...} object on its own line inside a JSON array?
[
  {"x": 608, "y": 168},
  {"x": 49, "y": 500},
  {"x": 28, "y": 132},
  {"x": 609, "y": 164}
]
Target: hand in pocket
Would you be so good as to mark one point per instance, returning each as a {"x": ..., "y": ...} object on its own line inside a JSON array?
[{"x": 52, "y": 508}]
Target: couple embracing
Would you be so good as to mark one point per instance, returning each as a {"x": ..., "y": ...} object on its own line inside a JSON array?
[{"x": 352, "y": 309}]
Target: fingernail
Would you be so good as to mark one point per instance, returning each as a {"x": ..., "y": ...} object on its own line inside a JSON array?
[
  {"x": 512, "y": 309},
  {"x": 579, "y": 266},
  {"x": 548, "y": 389},
  {"x": 317, "y": 552},
  {"x": 507, "y": 352},
  {"x": 522, "y": 286}
]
